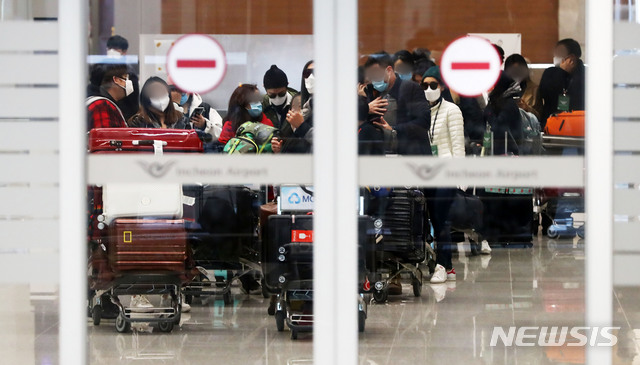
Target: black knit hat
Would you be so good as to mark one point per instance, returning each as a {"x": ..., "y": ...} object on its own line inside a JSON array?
[{"x": 275, "y": 78}]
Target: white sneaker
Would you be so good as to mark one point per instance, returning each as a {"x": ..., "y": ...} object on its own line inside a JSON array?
[
  {"x": 485, "y": 249},
  {"x": 140, "y": 303},
  {"x": 439, "y": 275},
  {"x": 451, "y": 274}
]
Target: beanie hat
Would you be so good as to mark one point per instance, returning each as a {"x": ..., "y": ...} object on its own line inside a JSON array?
[
  {"x": 275, "y": 78},
  {"x": 433, "y": 71}
]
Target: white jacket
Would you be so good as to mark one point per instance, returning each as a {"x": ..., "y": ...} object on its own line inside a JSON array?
[
  {"x": 213, "y": 125},
  {"x": 448, "y": 129}
]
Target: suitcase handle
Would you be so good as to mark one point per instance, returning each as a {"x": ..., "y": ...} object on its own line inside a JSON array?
[{"x": 147, "y": 142}]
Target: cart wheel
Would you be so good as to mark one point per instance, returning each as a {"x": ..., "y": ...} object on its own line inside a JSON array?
[
  {"x": 294, "y": 335},
  {"x": 227, "y": 297},
  {"x": 417, "y": 287},
  {"x": 552, "y": 232},
  {"x": 362, "y": 318},
  {"x": 122, "y": 326},
  {"x": 165, "y": 326},
  {"x": 380, "y": 296},
  {"x": 580, "y": 231},
  {"x": 96, "y": 315},
  {"x": 280, "y": 321}
]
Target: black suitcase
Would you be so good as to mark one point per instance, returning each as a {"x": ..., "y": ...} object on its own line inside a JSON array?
[
  {"x": 508, "y": 215},
  {"x": 403, "y": 216},
  {"x": 224, "y": 222},
  {"x": 287, "y": 253}
]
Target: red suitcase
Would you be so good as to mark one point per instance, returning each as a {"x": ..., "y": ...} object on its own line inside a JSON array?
[
  {"x": 149, "y": 245},
  {"x": 109, "y": 140}
]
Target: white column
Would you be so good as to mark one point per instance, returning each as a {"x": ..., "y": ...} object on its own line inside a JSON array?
[
  {"x": 599, "y": 165},
  {"x": 72, "y": 20},
  {"x": 335, "y": 179}
]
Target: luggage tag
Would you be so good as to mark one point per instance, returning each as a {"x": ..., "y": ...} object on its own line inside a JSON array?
[
  {"x": 434, "y": 150},
  {"x": 563, "y": 102},
  {"x": 486, "y": 141}
]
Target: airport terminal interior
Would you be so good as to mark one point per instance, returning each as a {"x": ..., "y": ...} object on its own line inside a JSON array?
[{"x": 424, "y": 167}]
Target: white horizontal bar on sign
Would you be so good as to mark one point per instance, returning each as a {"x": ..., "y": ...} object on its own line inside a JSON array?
[
  {"x": 626, "y": 36},
  {"x": 29, "y": 69},
  {"x": 35, "y": 202},
  {"x": 29, "y": 233},
  {"x": 626, "y": 136},
  {"x": 202, "y": 168},
  {"x": 484, "y": 171},
  {"x": 626, "y": 69},
  {"x": 27, "y": 135},
  {"x": 29, "y": 102},
  {"x": 625, "y": 102},
  {"x": 40, "y": 267},
  {"x": 625, "y": 236},
  {"x": 28, "y": 168},
  {"x": 625, "y": 269},
  {"x": 28, "y": 36},
  {"x": 625, "y": 169}
]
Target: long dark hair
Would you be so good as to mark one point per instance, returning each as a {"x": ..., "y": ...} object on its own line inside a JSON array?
[
  {"x": 237, "y": 112},
  {"x": 303, "y": 89},
  {"x": 171, "y": 116}
]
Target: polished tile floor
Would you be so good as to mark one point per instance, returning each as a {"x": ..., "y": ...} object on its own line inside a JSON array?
[{"x": 450, "y": 323}]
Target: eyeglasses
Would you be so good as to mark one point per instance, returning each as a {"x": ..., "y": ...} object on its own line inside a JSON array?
[
  {"x": 306, "y": 73},
  {"x": 432, "y": 85},
  {"x": 279, "y": 95}
]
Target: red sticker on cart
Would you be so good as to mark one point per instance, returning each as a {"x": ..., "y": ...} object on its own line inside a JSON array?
[{"x": 301, "y": 236}]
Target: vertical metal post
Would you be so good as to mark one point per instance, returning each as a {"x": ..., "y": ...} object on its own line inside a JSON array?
[
  {"x": 599, "y": 173},
  {"x": 72, "y": 23},
  {"x": 336, "y": 185}
]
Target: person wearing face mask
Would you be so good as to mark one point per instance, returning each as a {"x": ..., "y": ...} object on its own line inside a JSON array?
[
  {"x": 117, "y": 47},
  {"x": 296, "y": 132},
  {"x": 244, "y": 106},
  {"x": 446, "y": 138},
  {"x": 403, "y": 64},
  {"x": 397, "y": 106},
  {"x": 209, "y": 122},
  {"x": 156, "y": 109},
  {"x": 102, "y": 108},
  {"x": 562, "y": 86},
  {"x": 277, "y": 101},
  {"x": 515, "y": 66}
]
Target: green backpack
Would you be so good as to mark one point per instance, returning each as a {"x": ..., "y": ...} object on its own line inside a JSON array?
[{"x": 251, "y": 138}]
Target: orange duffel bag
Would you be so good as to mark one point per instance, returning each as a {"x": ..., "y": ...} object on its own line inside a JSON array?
[{"x": 567, "y": 124}]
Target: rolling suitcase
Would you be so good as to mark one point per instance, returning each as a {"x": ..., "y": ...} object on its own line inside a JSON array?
[
  {"x": 403, "y": 217},
  {"x": 113, "y": 140}
]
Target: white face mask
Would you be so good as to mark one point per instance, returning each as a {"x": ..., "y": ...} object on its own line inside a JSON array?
[
  {"x": 557, "y": 61},
  {"x": 310, "y": 83},
  {"x": 113, "y": 53},
  {"x": 279, "y": 100},
  {"x": 432, "y": 95},
  {"x": 128, "y": 86},
  {"x": 160, "y": 103}
]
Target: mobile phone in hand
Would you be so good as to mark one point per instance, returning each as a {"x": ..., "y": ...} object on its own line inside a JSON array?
[{"x": 197, "y": 111}]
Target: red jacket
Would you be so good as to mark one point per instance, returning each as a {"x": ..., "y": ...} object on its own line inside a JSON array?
[{"x": 228, "y": 132}]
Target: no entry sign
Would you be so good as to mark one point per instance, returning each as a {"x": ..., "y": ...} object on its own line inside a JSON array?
[
  {"x": 470, "y": 66},
  {"x": 196, "y": 63}
]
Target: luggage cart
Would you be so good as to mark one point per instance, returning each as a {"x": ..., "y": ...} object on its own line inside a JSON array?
[
  {"x": 137, "y": 235},
  {"x": 223, "y": 235},
  {"x": 401, "y": 241},
  {"x": 288, "y": 260}
]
